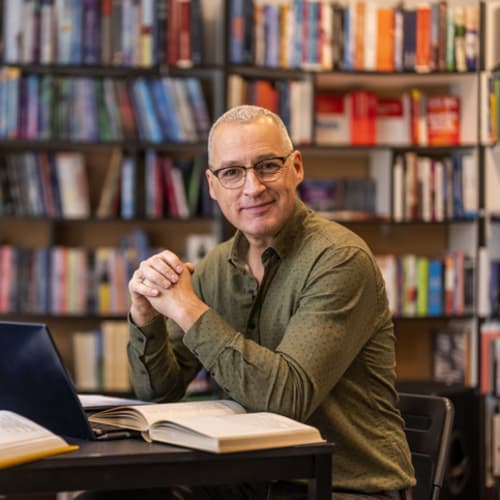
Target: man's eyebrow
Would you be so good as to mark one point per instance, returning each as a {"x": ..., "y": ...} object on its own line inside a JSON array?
[{"x": 257, "y": 159}]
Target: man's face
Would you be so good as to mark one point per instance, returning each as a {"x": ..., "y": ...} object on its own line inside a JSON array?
[{"x": 258, "y": 209}]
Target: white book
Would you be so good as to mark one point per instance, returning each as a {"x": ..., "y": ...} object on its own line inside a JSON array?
[
  {"x": 12, "y": 25},
  {"x": 73, "y": 185},
  {"x": 398, "y": 190},
  {"x": 219, "y": 426},
  {"x": 470, "y": 185},
  {"x": 424, "y": 175},
  {"x": 438, "y": 178},
  {"x": 22, "y": 440},
  {"x": 370, "y": 36},
  {"x": 86, "y": 358}
]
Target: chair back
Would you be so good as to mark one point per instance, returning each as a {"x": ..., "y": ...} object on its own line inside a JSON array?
[{"x": 428, "y": 427}]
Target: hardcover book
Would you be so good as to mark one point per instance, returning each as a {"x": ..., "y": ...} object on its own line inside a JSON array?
[{"x": 218, "y": 426}]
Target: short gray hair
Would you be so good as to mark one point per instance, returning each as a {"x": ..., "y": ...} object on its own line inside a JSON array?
[{"x": 247, "y": 113}]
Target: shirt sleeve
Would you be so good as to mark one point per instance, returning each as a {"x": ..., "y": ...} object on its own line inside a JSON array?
[
  {"x": 161, "y": 367},
  {"x": 335, "y": 316}
]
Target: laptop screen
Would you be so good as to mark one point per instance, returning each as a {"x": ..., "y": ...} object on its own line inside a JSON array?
[{"x": 34, "y": 382}]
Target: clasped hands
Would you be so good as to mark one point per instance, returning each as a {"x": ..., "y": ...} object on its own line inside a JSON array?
[{"x": 162, "y": 284}]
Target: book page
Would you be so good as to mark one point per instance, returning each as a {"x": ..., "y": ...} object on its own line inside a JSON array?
[
  {"x": 16, "y": 428},
  {"x": 141, "y": 417},
  {"x": 182, "y": 410},
  {"x": 249, "y": 424}
]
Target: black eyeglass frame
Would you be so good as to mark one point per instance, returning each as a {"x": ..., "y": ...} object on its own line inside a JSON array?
[{"x": 253, "y": 167}]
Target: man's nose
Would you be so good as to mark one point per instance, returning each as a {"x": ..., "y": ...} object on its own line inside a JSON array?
[{"x": 252, "y": 181}]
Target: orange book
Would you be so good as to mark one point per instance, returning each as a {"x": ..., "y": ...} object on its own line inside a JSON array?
[
  {"x": 265, "y": 95},
  {"x": 359, "y": 36},
  {"x": 385, "y": 41},
  {"x": 423, "y": 39}
]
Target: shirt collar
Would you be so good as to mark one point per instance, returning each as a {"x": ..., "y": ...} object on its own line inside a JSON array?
[{"x": 282, "y": 243}]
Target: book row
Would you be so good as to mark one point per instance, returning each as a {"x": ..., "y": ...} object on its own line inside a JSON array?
[
  {"x": 423, "y": 286},
  {"x": 336, "y": 196},
  {"x": 100, "y": 362},
  {"x": 291, "y": 99},
  {"x": 450, "y": 354},
  {"x": 141, "y": 33},
  {"x": 434, "y": 188},
  {"x": 69, "y": 280},
  {"x": 358, "y": 117},
  {"x": 358, "y": 35},
  {"x": 362, "y": 117},
  {"x": 88, "y": 109},
  {"x": 57, "y": 185}
]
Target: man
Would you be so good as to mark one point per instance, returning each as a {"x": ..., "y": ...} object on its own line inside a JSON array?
[{"x": 290, "y": 315}]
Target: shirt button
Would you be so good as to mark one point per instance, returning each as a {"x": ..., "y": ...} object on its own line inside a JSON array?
[{"x": 140, "y": 339}]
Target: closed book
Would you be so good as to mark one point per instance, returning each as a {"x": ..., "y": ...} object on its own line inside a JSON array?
[
  {"x": 435, "y": 291},
  {"x": 443, "y": 120},
  {"x": 362, "y": 108},
  {"x": 393, "y": 120},
  {"x": 332, "y": 124},
  {"x": 385, "y": 39}
]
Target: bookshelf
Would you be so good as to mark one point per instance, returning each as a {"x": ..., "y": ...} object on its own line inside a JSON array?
[
  {"x": 311, "y": 85},
  {"x": 79, "y": 88}
]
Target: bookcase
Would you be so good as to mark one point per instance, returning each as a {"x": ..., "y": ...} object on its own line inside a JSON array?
[
  {"x": 358, "y": 111},
  {"x": 104, "y": 114}
]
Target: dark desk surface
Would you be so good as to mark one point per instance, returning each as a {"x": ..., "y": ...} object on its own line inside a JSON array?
[{"x": 133, "y": 463}]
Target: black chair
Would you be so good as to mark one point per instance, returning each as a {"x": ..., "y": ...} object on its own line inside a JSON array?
[{"x": 428, "y": 426}]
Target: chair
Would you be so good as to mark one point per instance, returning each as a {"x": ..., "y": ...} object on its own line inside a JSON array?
[{"x": 428, "y": 427}]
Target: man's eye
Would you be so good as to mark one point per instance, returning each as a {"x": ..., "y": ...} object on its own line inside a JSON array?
[
  {"x": 269, "y": 166},
  {"x": 230, "y": 173}
]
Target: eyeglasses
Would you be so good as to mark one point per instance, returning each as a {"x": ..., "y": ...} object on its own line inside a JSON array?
[{"x": 266, "y": 170}]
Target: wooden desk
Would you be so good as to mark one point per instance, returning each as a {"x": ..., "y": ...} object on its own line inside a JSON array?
[{"x": 133, "y": 463}]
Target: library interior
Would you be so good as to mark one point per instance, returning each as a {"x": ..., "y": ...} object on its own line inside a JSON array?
[{"x": 105, "y": 110}]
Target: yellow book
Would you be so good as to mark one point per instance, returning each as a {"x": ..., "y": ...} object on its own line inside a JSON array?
[{"x": 22, "y": 440}]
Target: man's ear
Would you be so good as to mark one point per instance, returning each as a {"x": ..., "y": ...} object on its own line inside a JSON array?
[
  {"x": 298, "y": 167},
  {"x": 210, "y": 180}
]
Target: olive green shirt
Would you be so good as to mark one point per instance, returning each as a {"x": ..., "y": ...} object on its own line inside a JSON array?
[{"x": 314, "y": 341}]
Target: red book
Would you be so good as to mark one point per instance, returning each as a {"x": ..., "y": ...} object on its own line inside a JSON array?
[
  {"x": 443, "y": 120},
  {"x": 184, "y": 59},
  {"x": 363, "y": 113}
]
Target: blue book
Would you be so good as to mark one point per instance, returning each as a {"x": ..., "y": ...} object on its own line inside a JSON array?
[
  {"x": 128, "y": 188},
  {"x": 76, "y": 40},
  {"x": 198, "y": 106},
  {"x": 167, "y": 115},
  {"x": 435, "y": 290},
  {"x": 149, "y": 125},
  {"x": 458, "y": 205},
  {"x": 347, "y": 57},
  {"x": 91, "y": 34},
  {"x": 297, "y": 37},
  {"x": 236, "y": 31}
]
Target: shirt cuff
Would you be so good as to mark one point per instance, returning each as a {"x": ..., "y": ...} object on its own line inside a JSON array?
[
  {"x": 148, "y": 338},
  {"x": 208, "y": 337}
]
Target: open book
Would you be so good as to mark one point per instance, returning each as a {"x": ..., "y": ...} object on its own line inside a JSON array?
[
  {"x": 22, "y": 440},
  {"x": 219, "y": 426}
]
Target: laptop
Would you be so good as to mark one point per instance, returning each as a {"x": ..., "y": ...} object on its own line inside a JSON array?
[{"x": 34, "y": 383}]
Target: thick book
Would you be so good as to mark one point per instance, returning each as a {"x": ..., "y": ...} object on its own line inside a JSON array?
[
  {"x": 218, "y": 426},
  {"x": 22, "y": 440}
]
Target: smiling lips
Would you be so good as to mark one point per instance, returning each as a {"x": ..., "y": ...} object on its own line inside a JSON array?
[{"x": 258, "y": 207}]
